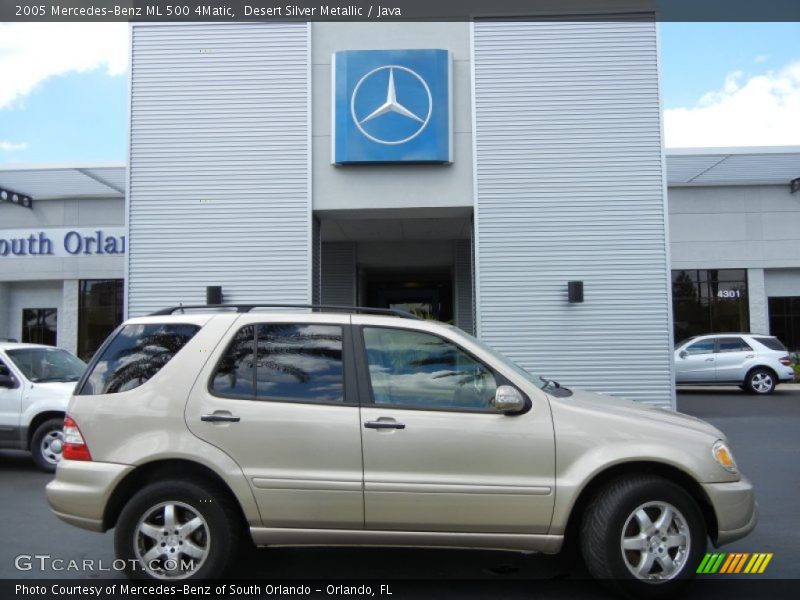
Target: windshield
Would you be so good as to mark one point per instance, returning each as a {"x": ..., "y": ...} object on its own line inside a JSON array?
[
  {"x": 41, "y": 365},
  {"x": 534, "y": 379}
]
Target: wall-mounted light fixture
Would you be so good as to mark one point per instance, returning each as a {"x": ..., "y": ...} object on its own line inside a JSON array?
[
  {"x": 214, "y": 294},
  {"x": 17, "y": 198},
  {"x": 575, "y": 291}
]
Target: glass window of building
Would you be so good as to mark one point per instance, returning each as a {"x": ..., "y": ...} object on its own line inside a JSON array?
[
  {"x": 39, "y": 326},
  {"x": 99, "y": 313},
  {"x": 709, "y": 301},
  {"x": 784, "y": 320}
]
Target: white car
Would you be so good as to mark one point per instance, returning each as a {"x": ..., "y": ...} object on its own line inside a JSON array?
[
  {"x": 756, "y": 363},
  {"x": 36, "y": 383}
]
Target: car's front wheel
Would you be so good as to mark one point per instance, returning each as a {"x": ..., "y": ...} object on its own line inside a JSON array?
[
  {"x": 643, "y": 534},
  {"x": 760, "y": 381},
  {"x": 177, "y": 530}
]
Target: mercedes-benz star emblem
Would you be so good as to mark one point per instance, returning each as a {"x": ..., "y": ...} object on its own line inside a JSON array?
[{"x": 393, "y": 105}]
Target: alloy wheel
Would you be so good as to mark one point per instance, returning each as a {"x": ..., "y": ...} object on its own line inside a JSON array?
[{"x": 655, "y": 541}]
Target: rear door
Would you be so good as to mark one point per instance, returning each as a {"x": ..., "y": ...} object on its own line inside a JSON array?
[
  {"x": 732, "y": 359},
  {"x": 696, "y": 363},
  {"x": 437, "y": 457},
  {"x": 279, "y": 398}
]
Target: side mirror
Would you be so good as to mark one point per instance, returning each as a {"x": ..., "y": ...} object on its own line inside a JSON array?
[
  {"x": 507, "y": 399},
  {"x": 6, "y": 381},
  {"x": 683, "y": 354}
]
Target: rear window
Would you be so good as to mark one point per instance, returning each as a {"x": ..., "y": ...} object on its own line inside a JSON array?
[
  {"x": 135, "y": 354},
  {"x": 771, "y": 342}
]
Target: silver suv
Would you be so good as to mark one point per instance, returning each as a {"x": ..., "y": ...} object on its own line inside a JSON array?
[
  {"x": 192, "y": 431},
  {"x": 756, "y": 363}
]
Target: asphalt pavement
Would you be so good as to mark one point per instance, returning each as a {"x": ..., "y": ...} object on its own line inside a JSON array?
[{"x": 763, "y": 432}]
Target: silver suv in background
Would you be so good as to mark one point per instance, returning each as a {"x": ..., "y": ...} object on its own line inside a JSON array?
[
  {"x": 756, "y": 363},
  {"x": 36, "y": 383},
  {"x": 190, "y": 432}
]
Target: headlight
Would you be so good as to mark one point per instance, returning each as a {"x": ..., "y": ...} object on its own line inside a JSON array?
[{"x": 724, "y": 456}]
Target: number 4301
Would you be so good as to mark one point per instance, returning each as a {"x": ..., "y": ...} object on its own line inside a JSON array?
[{"x": 729, "y": 294}]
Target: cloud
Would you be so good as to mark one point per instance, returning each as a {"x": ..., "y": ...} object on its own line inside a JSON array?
[
  {"x": 761, "y": 58},
  {"x": 760, "y": 110},
  {"x": 11, "y": 146},
  {"x": 30, "y": 53}
]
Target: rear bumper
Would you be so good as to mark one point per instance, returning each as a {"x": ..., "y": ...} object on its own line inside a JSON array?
[
  {"x": 735, "y": 507},
  {"x": 80, "y": 491}
]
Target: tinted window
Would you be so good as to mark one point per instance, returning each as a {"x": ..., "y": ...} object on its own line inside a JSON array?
[
  {"x": 39, "y": 326},
  {"x": 135, "y": 354},
  {"x": 418, "y": 370},
  {"x": 235, "y": 375},
  {"x": 41, "y": 365},
  {"x": 733, "y": 345},
  {"x": 294, "y": 363},
  {"x": 771, "y": 343},
  {"x": 704, "y": 347}
]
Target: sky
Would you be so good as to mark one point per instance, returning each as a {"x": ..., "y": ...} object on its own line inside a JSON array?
[{"x": 64, "y": 92}]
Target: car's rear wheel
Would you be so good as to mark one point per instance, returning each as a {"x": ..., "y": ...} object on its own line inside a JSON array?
[
  {"x": 47, "y": 444},
  {"x": 643, "y": 534},
  {"x": 760, "y": 381},
  {"x": 177, "y": 530}
]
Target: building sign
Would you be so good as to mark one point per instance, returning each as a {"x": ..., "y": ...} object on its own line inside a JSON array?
[
  {"x": 392, "y": 106},
  {"x": 62, "y": 243}
]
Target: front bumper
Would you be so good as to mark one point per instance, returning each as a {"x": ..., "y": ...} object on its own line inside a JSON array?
[
  {"x": 735, "y": 507},
  {"x": 80, "y": 491}
]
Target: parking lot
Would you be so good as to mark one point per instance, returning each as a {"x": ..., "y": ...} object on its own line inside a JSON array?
[{"x": 762, "y": 431}]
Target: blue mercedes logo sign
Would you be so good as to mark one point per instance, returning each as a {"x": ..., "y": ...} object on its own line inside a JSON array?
[{"x": 391, "y": 105}]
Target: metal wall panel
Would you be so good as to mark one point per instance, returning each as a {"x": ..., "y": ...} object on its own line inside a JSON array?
[
  {"x": 339, "y": 273},
  {"x": 569, "y": 186},
  {"x": 219, "y": 164},
  {"x": 464, "y": 308}
]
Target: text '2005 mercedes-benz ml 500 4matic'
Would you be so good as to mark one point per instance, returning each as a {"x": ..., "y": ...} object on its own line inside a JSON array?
[{"x": 191, "y": 431}]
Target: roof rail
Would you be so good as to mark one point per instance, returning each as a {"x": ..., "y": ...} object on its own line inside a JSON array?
[{"x": 246, "y": 308}]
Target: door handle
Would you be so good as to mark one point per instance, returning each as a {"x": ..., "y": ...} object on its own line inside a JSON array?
[
  {"x": 750, "y": 356},
  {"x": 709, "y": 360},
  {"x": 384, "y": 425},
  {"x": 217, "y": 418}
]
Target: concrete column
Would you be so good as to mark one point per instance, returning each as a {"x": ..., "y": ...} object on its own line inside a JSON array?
[
  {"x": 757, "y": 297},
  {"x": 5, "y": 300},
  {"x": 68, "y": 317}
]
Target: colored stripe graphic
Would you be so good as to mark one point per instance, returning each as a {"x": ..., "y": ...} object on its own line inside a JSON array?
[{"x": 724, "y": 563}]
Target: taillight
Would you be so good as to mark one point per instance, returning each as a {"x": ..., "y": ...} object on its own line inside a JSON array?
[
  {"x": 75, "y": 447},
  {"x": 785, "y": 361}
]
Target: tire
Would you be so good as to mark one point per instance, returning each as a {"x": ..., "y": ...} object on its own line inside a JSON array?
[
  {"x": 614, "y": 514},
  {"x": 46, "y": 444},
  {"x": 760, "y": 381},
  {"x": 202, "y": 551}
]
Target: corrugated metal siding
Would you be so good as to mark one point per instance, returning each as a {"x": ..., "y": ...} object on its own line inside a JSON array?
[
  {"x": 569, "y": 187},
  {"x": 339, "y": 273},
  {"x": 219, "y": 164},
  {"x": 464, "y": 311}
]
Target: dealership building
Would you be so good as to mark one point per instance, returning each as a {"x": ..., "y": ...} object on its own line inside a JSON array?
[{"x": 506, "y": 176}]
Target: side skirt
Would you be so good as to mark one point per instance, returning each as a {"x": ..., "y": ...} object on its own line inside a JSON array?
[{"x": 281, "y": 536}]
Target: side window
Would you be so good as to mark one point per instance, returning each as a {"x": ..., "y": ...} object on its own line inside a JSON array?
[
  {"x": 5, "y": 373},
  {"x": 733, "y": 345},
  {"x": 294, "y": 363},
  {"x": 703, "y": 347},
  {"x": 235, "y": 374},
  {"x": 418, "y": 370},
  {"x": 135, "y": 354}
]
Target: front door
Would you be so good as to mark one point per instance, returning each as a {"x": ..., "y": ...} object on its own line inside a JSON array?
[
  {"x": 437, "y": 457},
  {"x": 278, "y": 398},
  {"x": 695, "y": 364},
  {"x": 10, "y": 399}
]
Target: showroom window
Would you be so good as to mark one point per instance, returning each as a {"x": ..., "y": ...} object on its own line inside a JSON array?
[
  {"x": 784, "y": 321},
  {"x": 39, "y": 326},
  {"x": 99, "y": 313},
  {"x": 709, "y": 301}
]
